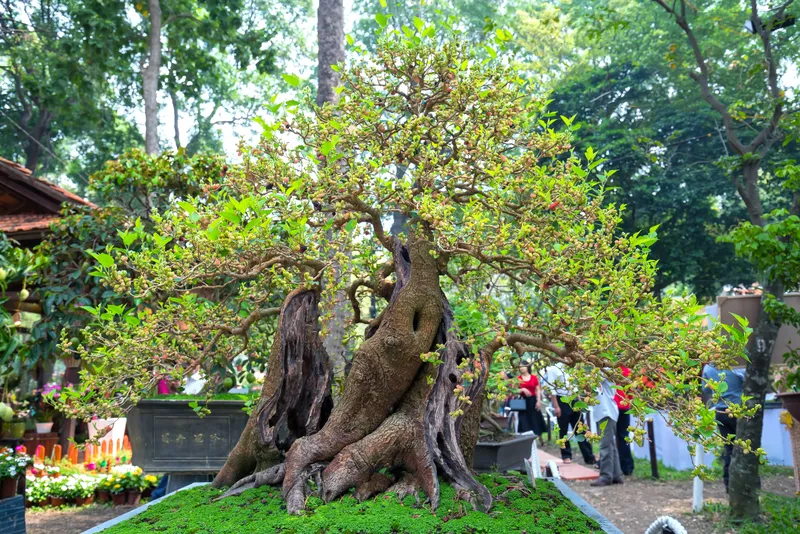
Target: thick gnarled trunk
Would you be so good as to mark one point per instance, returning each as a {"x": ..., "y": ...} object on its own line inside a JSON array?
[{"x": 392, "y": 428}]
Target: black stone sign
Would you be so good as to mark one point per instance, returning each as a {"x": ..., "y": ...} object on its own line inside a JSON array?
[{"x": 168, "y": 437}]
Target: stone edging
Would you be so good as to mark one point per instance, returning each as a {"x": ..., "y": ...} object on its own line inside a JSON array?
[
  {"x": 136, "y": 511},
  {"x": 607, "y": 526}
]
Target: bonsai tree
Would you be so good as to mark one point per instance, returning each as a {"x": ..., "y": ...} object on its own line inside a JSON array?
[{"x": 503, "y": 220}]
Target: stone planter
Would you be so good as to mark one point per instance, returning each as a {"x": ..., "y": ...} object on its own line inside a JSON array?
[
  {"x": 502, "y": 456},
  {"x": 168, "y": 437},
  {"x": 791, "y": 401},
  {"x": 607, "y": 526},
  {"x": 12, "y": 515}
]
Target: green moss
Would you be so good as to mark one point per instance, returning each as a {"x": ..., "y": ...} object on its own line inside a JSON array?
[
  {"x": 543, "y": 511},
  {"x": 217, "y": 397}
]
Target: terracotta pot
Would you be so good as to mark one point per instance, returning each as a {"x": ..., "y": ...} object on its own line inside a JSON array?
[
  {"x": 81, "y": 501},
  {"x": 119, "y": 499},
  {"x": 791, "y": 401},
  {"x": 8, "y": 488},
  {"x": 88, "y": 500},
  {"x": 134, "y": 497},
  {"x": 103, "y": 496},
  {"x": 57, "y": 501},
  {"x": 146, "y": 493}
]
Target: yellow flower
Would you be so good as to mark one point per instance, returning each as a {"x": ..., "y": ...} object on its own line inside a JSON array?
[{"x": 117, "y": 486}]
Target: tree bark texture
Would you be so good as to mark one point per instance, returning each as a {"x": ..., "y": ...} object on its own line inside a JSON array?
[
  {"x": 392, "y": 428},
  {"x": 330, "y": 39},
  {"x": 296, "y": 397},
  {"x": 150, "y": 78},
  {"x": 744, "y": 483},
  {"x": 38, "y": 138}
]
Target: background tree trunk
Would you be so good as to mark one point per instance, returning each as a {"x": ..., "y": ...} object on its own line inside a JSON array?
[
  {"x": 330, "y": 39},
  {"x": 150, "y": 78}
]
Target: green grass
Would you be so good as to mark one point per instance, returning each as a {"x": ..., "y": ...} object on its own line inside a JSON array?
[
  {"x": 262, "y": 510},
  {"x": 780, "y": 515},
  {"x": 216, "y": 397},
  {"x": 641, "y": 469}
]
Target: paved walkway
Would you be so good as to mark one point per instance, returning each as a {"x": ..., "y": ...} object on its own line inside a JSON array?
[{"x": 573, "y": 471}]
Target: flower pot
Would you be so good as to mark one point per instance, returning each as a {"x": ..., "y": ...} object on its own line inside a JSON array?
[
  {"x": 85, "y": 500},
  {"x": 44, "y": 428},
  {"x": 791, "y": 401},
  {"x": 103, "y": 496},
  {"x": 8, "y": 488},
  {"x": 14, "y": 429},
  {"x": 134, "y": 497},
  {"x": 119, "y": 499},
  {"x": 57, "y": 501},
  {"x": 146, "y": 493}
]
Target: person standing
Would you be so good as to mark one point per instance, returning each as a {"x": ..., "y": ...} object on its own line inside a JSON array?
[
  {"x": 726, "y": 424},
  {"x": 530, "y": 389},
  {"x": 558, "y": 383},
  {"x": 606, "y": 414},
  {"x": 623, "y": 447}
]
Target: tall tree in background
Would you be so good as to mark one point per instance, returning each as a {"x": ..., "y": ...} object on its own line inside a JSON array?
[
  {"x": 764, "y": 58},
  {"x": 330, "y": 51},
  {"x": 58, "y": 62},
  {"x": 150, "y": 75}
]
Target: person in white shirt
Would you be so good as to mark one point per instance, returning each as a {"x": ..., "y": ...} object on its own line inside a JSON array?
[{"x": 557, "y": 382}]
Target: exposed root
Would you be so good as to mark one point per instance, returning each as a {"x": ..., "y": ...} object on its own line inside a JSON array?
[
  {"x": 377, "y": 483},
  {"x": 269, "y": 477},
  {"x": 295, "y": 495},
  {"x": 404, "y": 487}
]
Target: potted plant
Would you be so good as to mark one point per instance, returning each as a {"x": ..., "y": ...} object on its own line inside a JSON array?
[
  {"x": 13, "y": 414},
  {"x": 36, "y": 491},
  {"x": 118, "y": 493},
  {"x": 104, "y": 488},
  {"x": 56, "y": 492},
  {"x": 84, "y": 492},
  {"x": 12, "y": 466},
  {"x": 149, "y": 483}
]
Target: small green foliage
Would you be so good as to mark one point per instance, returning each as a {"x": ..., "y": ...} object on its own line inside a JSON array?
[{"x": 544, "y": 511}]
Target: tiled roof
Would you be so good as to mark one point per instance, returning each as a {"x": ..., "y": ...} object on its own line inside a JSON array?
[
  {"x": 22, "y": 222},
  {"x": 60, "y": 192}
]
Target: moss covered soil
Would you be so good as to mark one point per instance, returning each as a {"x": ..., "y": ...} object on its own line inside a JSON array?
[{"x": 517, "y": 508}]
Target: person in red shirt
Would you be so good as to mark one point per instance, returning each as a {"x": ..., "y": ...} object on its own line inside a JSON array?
[
  {"x": 623, "y": 422},
  {"x": 530, "y": 390}
]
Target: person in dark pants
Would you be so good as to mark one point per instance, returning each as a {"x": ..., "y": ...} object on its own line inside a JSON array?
[
  {"x": 726, "y": 424},
  {"x": 623, "y": 422},
  {"x": 557, "y": 383},
  {"x": 529, "y": 389}
]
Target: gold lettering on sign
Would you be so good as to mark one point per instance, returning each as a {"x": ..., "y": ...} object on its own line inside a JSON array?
[
  {"x": 198, "y": 438},
  {"x": 165, "y": 437},
  {"x": 180, "y": 439},
  {"x": 216, "y": 437}
]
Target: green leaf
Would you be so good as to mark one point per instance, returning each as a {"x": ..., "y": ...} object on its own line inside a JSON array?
[
  {"x": 381, "y": 19},
  {"x": 419, "y": 24},
  {"x": 351, "y": 225},
  {"x": 291, "y": 79},
  {"x": 383, "y": 3},
  {"x": 103, "y": 259}
]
